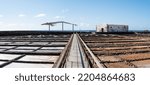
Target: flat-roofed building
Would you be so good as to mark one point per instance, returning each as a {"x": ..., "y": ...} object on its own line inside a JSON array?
[{"x": 112, "y": 28}]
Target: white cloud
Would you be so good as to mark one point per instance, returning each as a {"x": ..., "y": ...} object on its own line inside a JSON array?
[
  {"x": 1, "y": 23},
  {"x": 19, "y": 26},
  {"x": 21, "y": 15},
  {"x": 1, "y": 16},
  {"x": 83, "y": 18},
  {"x": 59, "y": 17},
  {"x": 84, "y": 25},
  {"x": 65, "y": 10},
  {"x": 12, "y": 24},
  {"x": 41, "y": 15}
]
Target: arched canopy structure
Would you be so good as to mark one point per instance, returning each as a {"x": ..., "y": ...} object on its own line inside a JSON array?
[{"x": 62, "y": 22}]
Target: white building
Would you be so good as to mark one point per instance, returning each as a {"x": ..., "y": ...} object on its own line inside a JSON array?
[{"x": 112, "y": 28}]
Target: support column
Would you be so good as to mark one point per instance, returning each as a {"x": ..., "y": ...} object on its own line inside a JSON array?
[
  {"x": 62, "y": 26},
  {"x": 49, "y": 27},
  {"x": 73, "y": 27}
]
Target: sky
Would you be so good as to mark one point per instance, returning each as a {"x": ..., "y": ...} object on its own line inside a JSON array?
[{"x": 30, "y": 14}]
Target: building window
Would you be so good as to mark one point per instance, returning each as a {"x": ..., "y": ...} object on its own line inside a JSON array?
[{"x": 124, "y": 26}]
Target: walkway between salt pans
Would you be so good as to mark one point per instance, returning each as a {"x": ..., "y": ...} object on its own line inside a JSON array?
[{"x": 76, "y": 58}]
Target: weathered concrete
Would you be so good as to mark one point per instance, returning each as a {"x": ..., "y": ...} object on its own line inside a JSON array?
[{"x": 76, "y": 57}]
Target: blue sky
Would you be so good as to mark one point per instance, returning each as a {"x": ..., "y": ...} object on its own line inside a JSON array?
[{"x": 30, "y": 14}]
